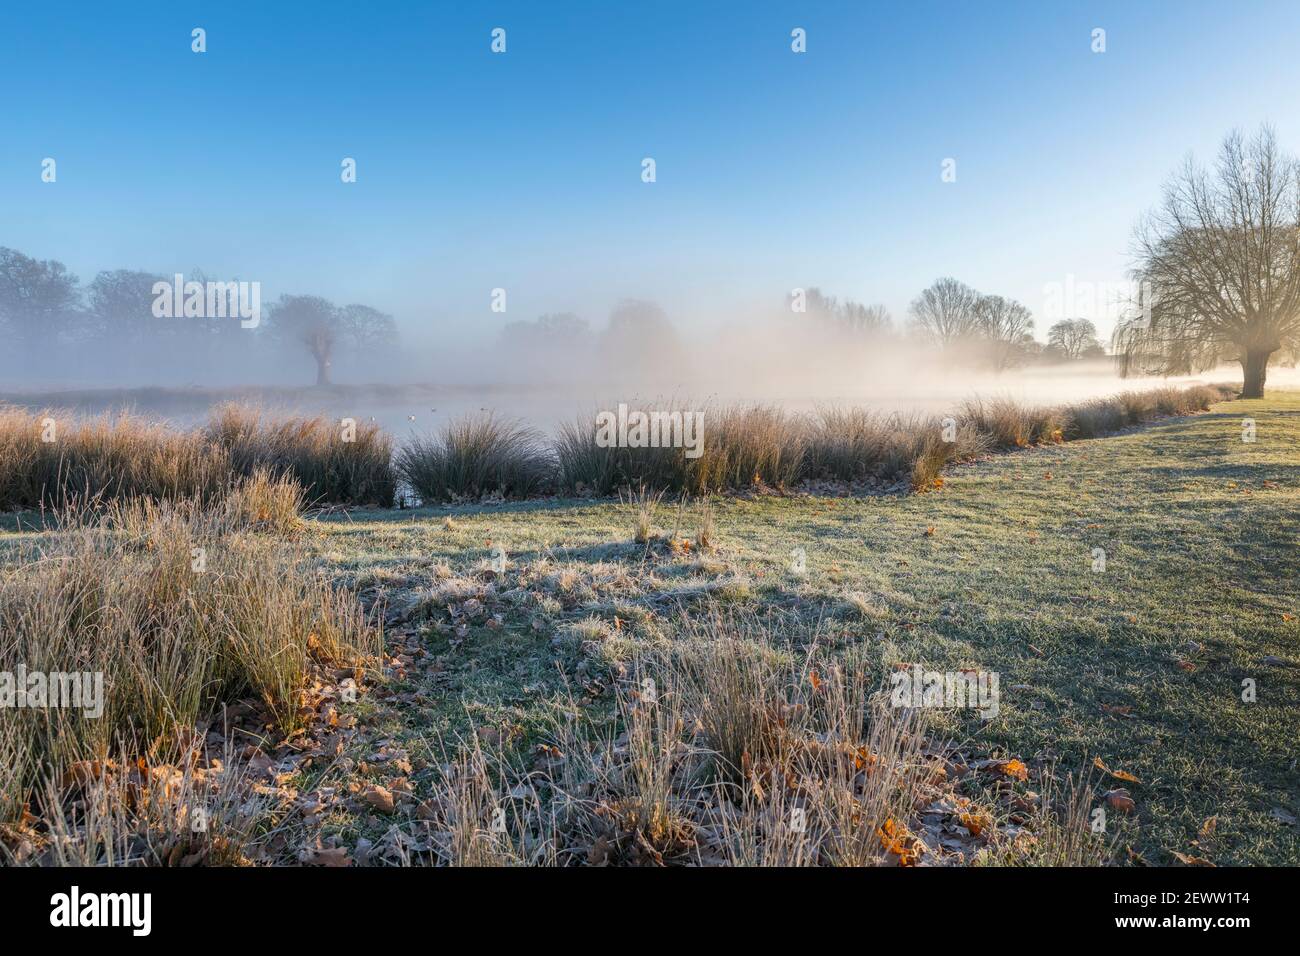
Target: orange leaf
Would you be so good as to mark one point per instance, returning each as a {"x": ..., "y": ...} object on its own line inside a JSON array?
[
  {"x": 1014, "y": 769},
  {"x": 1117, "y": 774}
]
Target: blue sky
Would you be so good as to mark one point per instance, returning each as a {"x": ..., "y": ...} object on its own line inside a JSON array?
[{"x": 522, "y": 170}]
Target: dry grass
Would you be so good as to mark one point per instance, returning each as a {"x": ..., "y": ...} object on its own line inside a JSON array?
[
  {"x": 482, "y": 456},
  {"x": 706, "y": 534},
  {"x": 187, "y": 813},
  {"x": 1060, "y": 829},
  {"x": 743, "y": 446},
  {"x": 725, "y": 751},
  {"x": 181, "y": 608},
  {"x": 643, "y": 503},
  {"x": 476, "y": 457},
  {"x": 335, "y": 463},
  {"x": 51, "y": 459},
  {"x": 1009, "y": 424},
  {"x": 749, "y": 446}
]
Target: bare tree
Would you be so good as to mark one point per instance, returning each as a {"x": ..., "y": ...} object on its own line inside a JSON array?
[
  {"x": 1219, "y": 260},
  {"x": 1074, "y": 338},
  {"x": 1004, "y": 324},
  {"x": 847, "y": 316},
  {"x": 865, "y": 319},
  {"x": 946, "y": 312},
  {"x": 312, "y": 322}
]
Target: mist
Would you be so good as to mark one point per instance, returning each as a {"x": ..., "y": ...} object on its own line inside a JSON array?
[{"x": 541, "y": 370}]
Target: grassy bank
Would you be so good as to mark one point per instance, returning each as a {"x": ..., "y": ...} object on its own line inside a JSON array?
[
  {"x": 1140, "y": 664},
  {"x": 659, "y": 681},
  {"x": 747, "y": 446},
  {"x": 49, "y": 458}
]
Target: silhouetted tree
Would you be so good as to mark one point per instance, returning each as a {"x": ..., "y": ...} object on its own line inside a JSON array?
[
  {"x": 39, "y": 299},
  {"x": 1219, "y": 261},
  {"x": 1004, "y": 325},
  {"x": 554, "y": 330},
  {"x": 946, "y": 312},
  {"x": 847, "y": 316},
  {"x": 1074, "y": 338},
  {"x": 640, "y": 338},
  {"x": 120, "y": 304},
  {"x": 310, "y": 321}
]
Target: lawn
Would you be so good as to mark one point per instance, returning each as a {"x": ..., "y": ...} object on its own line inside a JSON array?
[{"x": 1141, "y": 662}]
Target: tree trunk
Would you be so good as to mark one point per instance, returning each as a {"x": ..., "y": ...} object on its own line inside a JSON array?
[
  {"x": 1254, "y": 369},
  {"x": 322, "y": 370}
]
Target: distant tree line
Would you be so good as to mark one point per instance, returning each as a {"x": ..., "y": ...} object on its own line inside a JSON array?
[
  {"x": 954, "y": 320},
  {"x": 43, "y": 305},
  {"x": 639, "y": 339},
  {"x": 959, "y": 323}
]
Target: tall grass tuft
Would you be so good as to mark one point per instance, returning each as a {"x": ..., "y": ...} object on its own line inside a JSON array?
[
  {"x": 475, "y": 457},
  {"x": 181, "y": 608},
  {"x": 50, "y": 459},
  {"x": 335, "y": 463}
]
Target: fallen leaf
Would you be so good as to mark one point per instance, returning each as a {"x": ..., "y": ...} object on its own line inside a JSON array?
[
  {"x": 1187, "y": 860},
  {"x": 379, "y": 798},
  {"x": 1120, "y": 800},
  {"x": 1117, "y": 774},
  {"x": 1014, "y": 769},
  {"x": 330, "y": 856}
]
